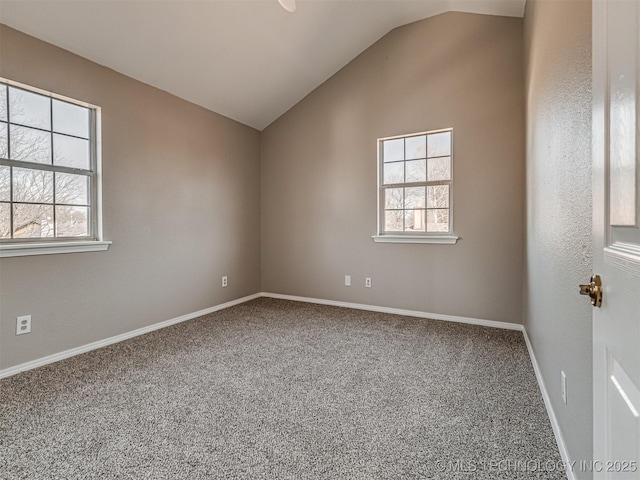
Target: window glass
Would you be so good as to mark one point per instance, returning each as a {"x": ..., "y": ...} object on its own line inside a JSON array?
[
  {"x": 5, "y": 183},
  {"x": 439, "y": 144},
  {"x": 29, "y": 109},
  {"x": 5, "y": 220},
  {"x": 3, "y": 103},
  {"x": 393, "y": 150},
  {"x": 70, "y": 119},
  {"x": 47, "y": 171},
  {"x": 71, "y": 152},
  {"x": 4, "y": 140},
  {"x": 415, "y": 189},
  {"x": 416, "y": 147},
  {"x": 72, "y": 189},
  {"x": 32, "y": 221},
  {"x": 33, "y": 186},
  {"x": 30, "y": 145},
  {"x": 72, "y": 221},
  {"x": 416, "y": 171},
  {"x": 439, "y": 169}
]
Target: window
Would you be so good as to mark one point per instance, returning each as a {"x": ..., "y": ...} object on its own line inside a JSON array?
[
  {"x": 415, "y": 188},
  {"x": 49, "y": 175}
]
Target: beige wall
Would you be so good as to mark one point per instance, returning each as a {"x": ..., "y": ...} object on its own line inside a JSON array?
[
  {"x": 181, "y": 205},
  {"x": 319, "y": 173},
  {"x": 559, "y": 254}
]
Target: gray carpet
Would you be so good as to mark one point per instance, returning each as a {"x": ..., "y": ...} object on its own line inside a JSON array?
[{"x": 277, "y": 389}]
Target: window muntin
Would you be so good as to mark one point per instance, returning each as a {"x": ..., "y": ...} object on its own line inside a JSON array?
[
  {"x": 48, "y": 167},
  {"x": 415, "y": 184}
]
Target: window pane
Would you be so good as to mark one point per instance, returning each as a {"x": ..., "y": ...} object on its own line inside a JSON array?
[
  {"x": 4, "y": 140},
  {"x": 439, "y": 169},
  {"x": 30, "y": 145},
  {"x": 416, "y": 147},
  {"x": 393, "y": 150},
  {"x": 32, "y": 221},
  {"x": 34, "y": 186},
  {"x": 414, "y": 197},
  {"x": 416, "y": 171},
  {"x": 72, "y": 221},
  {"x": 30, "y": 109},
  {"x": 394, "y": 173},
  {"x": 393, "y": 198},
  {"x": 72, "y": 189},
  {"x": 439, "y": 144},
  {"x": 438, "y": 220},
  {"x": 393, "y": 220},
  {"x": 438, "y": 196},
  {"x": 3, "y": 103},
  {"x": 5, "y": 183},
  {"x": 70, "y": 119},
  {"x": 71, "y": 152},
  {"x": 5, "y": 220},
  {"x": 414, "y": 221}
]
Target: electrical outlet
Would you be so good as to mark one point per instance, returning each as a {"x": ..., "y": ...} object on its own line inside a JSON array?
[
  {"x": 23, "y": 325},
  {"x": 347, "y": 280},
  {"x": 224, "y": 281},
  {"x": 563, "y": 386},
  {"x": 367, "y": 282}
]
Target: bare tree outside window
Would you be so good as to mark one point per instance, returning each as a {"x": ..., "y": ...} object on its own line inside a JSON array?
[
  {"x": 415, "y": 183},
  {"x": 46, "y": 166}
]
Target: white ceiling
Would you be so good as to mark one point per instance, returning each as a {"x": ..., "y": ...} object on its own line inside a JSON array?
[{"x": 249, "y": 60}]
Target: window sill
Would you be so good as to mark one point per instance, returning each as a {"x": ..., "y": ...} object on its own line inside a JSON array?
[
  {"x": 438, "y": 239},
  {"x": 51, "y": 248}
]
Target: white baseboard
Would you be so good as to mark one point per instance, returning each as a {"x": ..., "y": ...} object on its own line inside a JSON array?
[
  {"x": 156, "y": 326},
  {"x": 7, "y": 372},
  {"x": 398, "y": 311},
  {"x": 562, "y": 447}
]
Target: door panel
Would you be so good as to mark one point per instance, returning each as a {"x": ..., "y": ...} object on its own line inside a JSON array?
[
  {"x": 616, "y": 241},
  {"x": 623, "y": 23},
  {"x": 624, "y": 423}
]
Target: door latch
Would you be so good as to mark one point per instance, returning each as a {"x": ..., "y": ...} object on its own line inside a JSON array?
[{"x": 594, "y": 290}]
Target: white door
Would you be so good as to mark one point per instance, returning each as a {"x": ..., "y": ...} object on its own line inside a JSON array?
[{"x": 616, "y": 183}]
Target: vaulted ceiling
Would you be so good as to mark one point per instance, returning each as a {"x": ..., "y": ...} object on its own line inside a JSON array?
[{"x": 249, "y": 60}]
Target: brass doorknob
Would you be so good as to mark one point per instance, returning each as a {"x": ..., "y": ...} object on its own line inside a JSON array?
[{"x": 594, "y": 290}]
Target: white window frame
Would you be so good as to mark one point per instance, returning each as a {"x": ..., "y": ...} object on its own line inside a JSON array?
[
  {"x": 446, "y": 238},
  {"x": 44, "y": 246}
]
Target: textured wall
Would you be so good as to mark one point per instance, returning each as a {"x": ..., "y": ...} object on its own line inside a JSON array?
[
  {"x": 559, "y": 254},
  {"x": 319, "y": 173},
  {"x": 181, "y": 205}
]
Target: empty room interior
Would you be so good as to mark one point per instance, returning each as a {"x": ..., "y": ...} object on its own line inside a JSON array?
[{"x": 323, "y": 239}]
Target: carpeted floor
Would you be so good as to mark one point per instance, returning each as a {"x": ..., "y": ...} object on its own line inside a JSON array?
[{"x": 272, "y": 389}]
